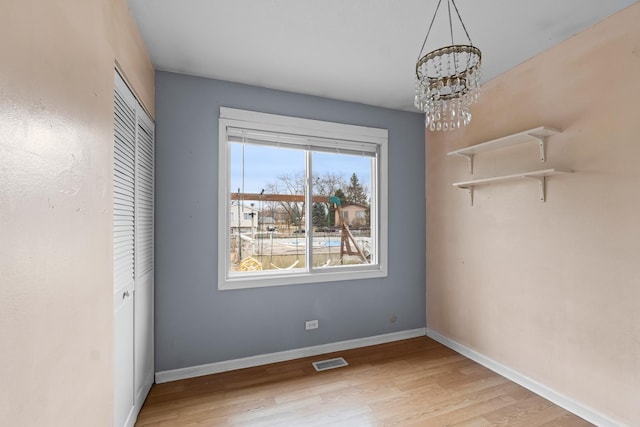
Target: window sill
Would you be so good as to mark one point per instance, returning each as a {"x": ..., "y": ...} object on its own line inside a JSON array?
[{"x": 245, "y": 282}]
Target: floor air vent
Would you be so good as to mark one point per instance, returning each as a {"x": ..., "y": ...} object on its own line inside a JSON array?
[{"x": 323, "y": 365}]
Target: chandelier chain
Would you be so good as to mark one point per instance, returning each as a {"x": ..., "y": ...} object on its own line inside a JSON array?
[
  {"x": 462, "y": 22},
  {"x": 450, "y": 24},
  {"x": 429, "y": 30}
]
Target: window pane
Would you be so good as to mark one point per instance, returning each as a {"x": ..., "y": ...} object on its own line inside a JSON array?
[
  {"x": 342, "y": 232},
  {"x": 267, "y": 192}
]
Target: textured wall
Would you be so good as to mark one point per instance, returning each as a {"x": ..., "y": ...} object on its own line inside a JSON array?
[
  {"x": 551, "y": 289},
  {"x": 56, "y": 138},
  {"x": 196, "y": 323}
]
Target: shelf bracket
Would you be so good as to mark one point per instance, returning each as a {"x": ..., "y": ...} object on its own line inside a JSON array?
[
  {"x": 542, "y": 182},
  {"x": 469, "y": 157},
  {"x": 470, "y": 190},
  {"x": 542, "y": 145}
]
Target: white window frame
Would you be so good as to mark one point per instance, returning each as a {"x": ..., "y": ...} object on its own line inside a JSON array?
[{"x": 235, "y": 118}]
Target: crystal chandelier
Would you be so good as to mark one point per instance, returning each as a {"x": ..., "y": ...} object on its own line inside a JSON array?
[{"x": 447, "y": 80}]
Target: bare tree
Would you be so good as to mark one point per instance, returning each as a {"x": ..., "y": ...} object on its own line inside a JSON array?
[
  {"x": 290, "y": 184},
  {"x": 328, "y": 183}
]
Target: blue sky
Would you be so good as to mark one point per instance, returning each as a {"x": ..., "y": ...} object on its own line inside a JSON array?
[{"x": 262, "y": 165}]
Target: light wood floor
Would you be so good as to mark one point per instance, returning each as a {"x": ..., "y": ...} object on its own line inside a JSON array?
[{"x": 416, "y": 382}]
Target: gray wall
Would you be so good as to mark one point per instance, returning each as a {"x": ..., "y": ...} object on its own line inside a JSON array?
[{"x": 196, "y": 323}]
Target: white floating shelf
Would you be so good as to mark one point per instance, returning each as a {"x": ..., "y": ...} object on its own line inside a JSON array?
[
  {"x": 538, "y": 175},
  {"x": 538, "y": 134}
]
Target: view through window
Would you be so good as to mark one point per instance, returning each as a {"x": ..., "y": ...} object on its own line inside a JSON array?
[{"x": 299, "y": 204}]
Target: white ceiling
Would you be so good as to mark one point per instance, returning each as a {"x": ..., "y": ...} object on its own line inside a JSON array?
[{"x": 354, "y": 50}]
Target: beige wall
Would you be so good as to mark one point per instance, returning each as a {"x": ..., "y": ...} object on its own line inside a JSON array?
[
  {"x": 56, "y": 138},
  {"x": 551, "y": 289}
]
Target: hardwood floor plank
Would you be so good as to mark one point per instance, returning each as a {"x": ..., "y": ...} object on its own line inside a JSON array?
[
  {"x": 529, "y": 412},
  {"x": 566, "y": 419},
  {"x": 473, "y": 422},
  {"x": 447, "y": 409},
  {"x": 411, "y": 382}
]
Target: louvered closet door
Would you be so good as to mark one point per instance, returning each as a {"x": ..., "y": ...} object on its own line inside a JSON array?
[
  {"x": 133, "y": 274},
  {"x": 124, "y": 159},
  {"x": 144, "y": 258}
]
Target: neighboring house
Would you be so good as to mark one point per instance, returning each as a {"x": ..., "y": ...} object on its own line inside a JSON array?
[
  {"x": 353, "y": 215},
  {"x": 289, "y": 216},
  {"x": 248, "y": 215}
]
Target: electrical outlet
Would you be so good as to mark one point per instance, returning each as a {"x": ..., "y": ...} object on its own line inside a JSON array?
[{"x": 311, "y": 324}]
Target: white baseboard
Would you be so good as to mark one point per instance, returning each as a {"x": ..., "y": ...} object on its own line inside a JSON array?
[
  {"x": 264, "y": 359},
  {"x": 540, "y": 389}
]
